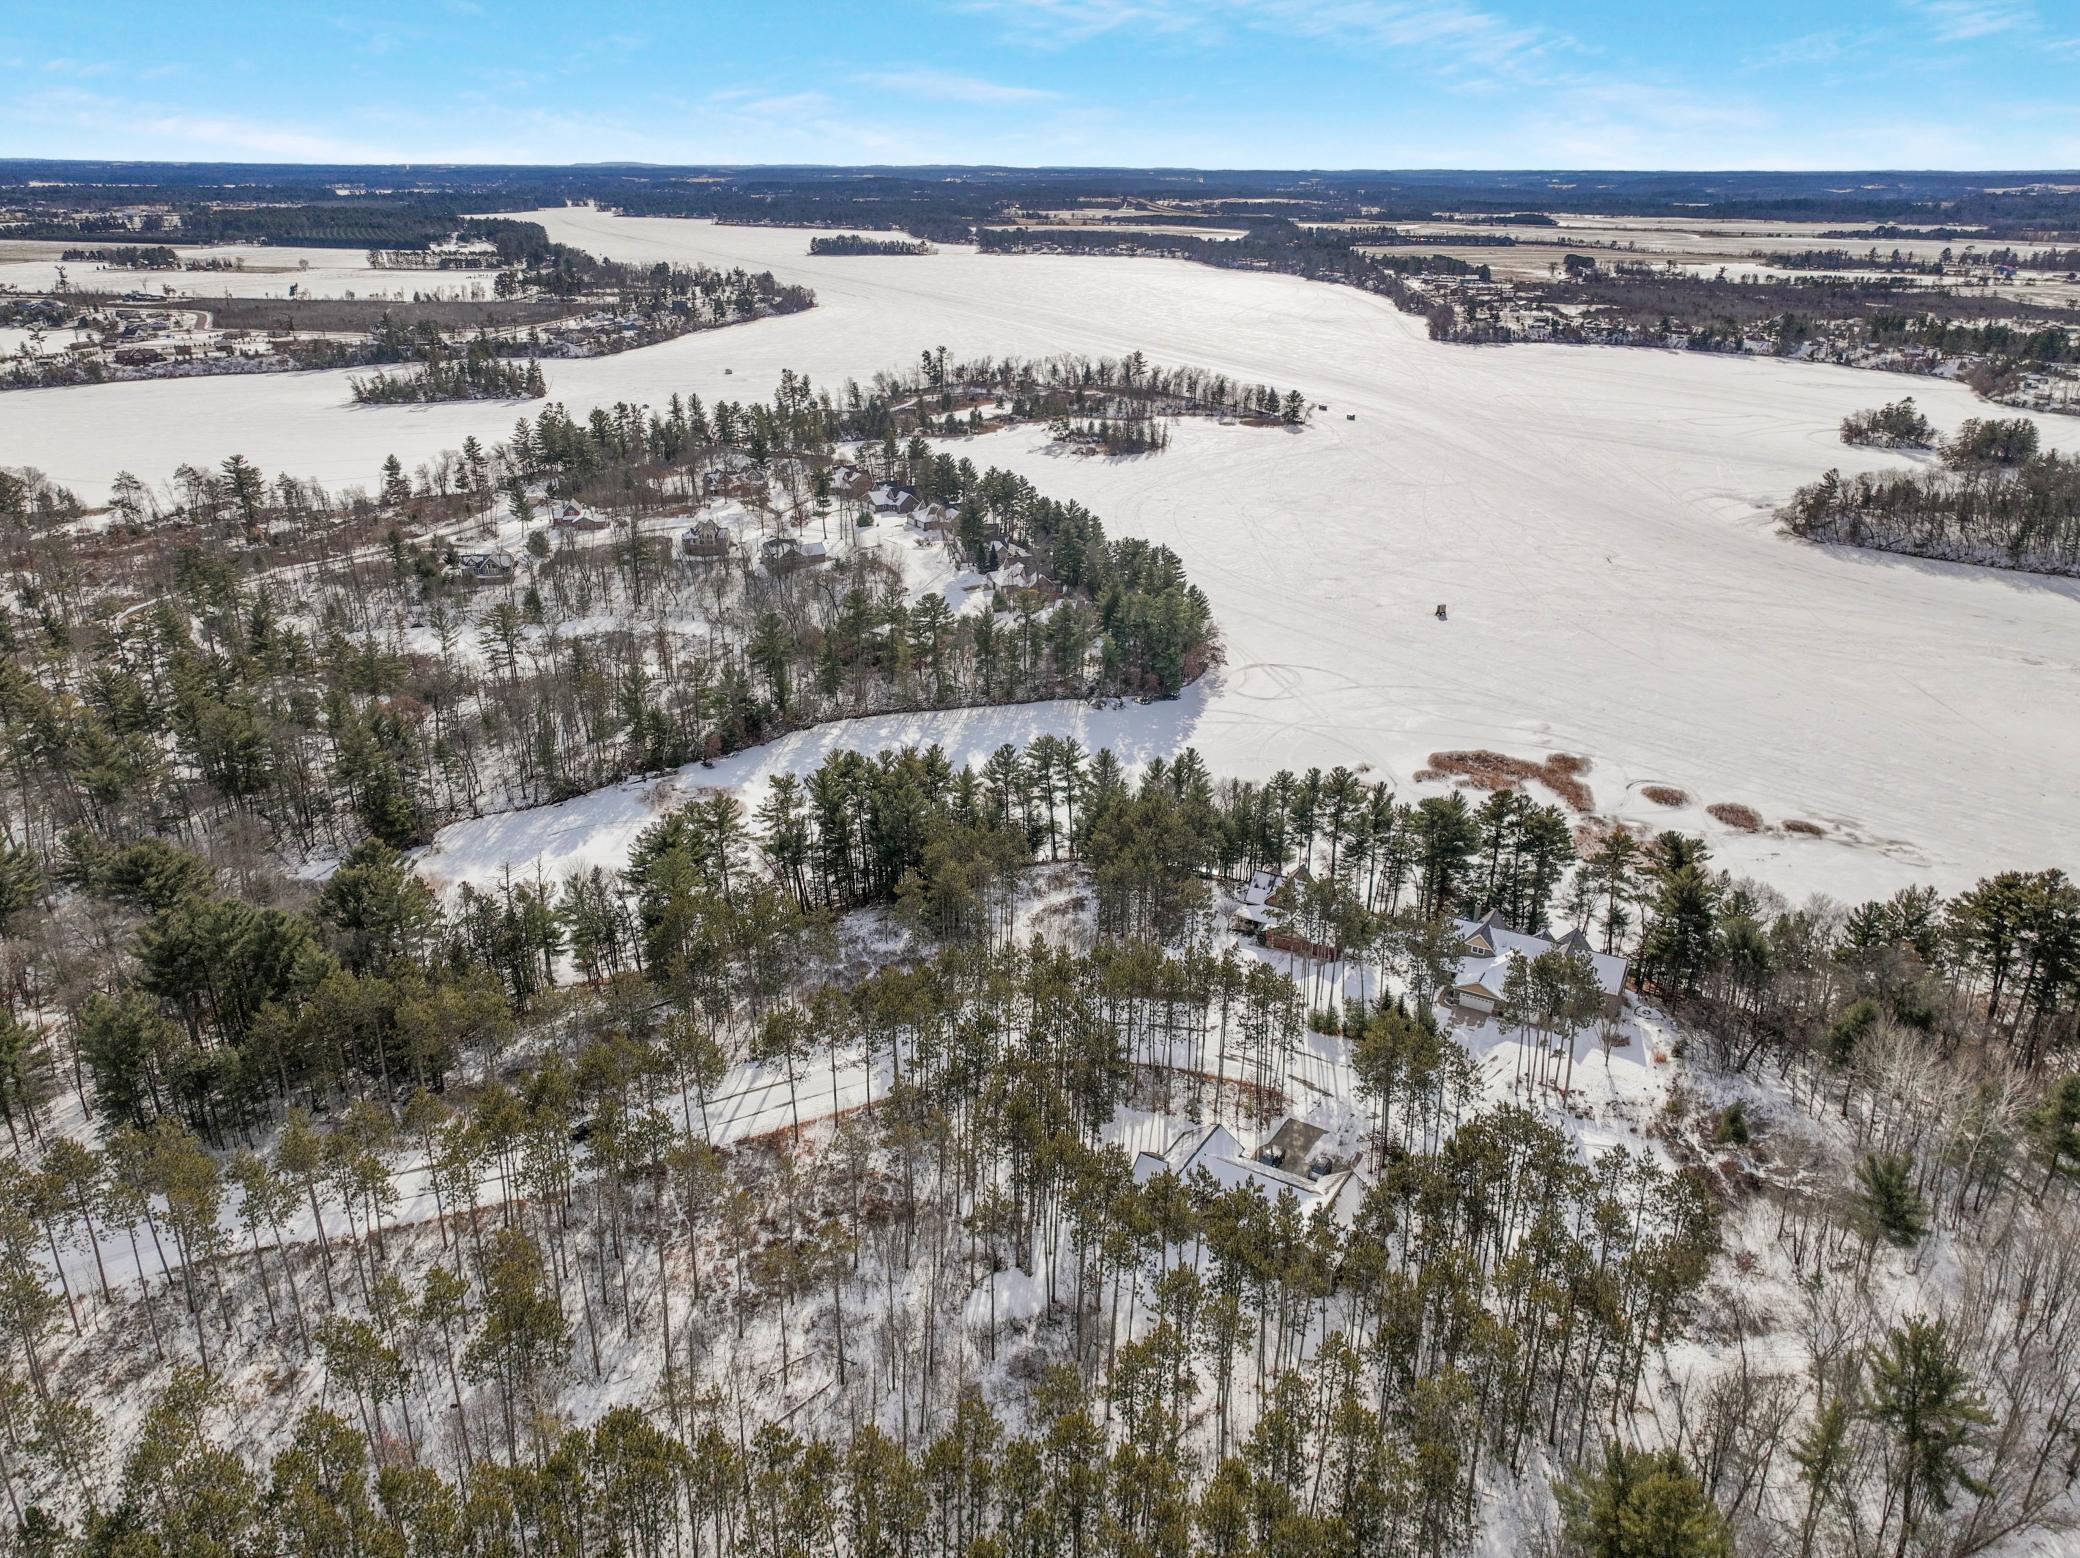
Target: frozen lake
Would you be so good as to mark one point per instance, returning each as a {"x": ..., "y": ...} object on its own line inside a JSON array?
[{"x": 1597, "y": 520}]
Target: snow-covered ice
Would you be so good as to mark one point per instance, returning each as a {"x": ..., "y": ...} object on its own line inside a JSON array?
[{"x": 1596, "y": 519}]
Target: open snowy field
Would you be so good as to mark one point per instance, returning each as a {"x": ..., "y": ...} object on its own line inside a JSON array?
[
  {"x": 263, "y": 271},
  {"x": 1596, "y": 519}
]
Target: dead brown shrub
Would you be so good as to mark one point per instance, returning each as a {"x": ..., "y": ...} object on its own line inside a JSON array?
[
  {"x": 1811, "y": 829},
  {"x": 1485, "y": 770},
  {"x": 1746, "y": 818},
  {"x": 1665, "y": 795}
]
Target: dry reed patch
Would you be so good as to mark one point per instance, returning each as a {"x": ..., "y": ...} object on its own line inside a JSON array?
[
  {"x": 1746, "y": 818},
  {"x": 1665, "y": 795},
  {"x": 1591, "y": 832},
  {"x": 1485, "y": 770},
  {"x": 1810, "y": 829}
]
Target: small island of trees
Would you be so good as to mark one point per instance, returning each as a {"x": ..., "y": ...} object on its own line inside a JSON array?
[
  {"x": 1899, "y": 425},
  {"x": 477, "y": 373},
  {"x": 860, "y": 243}
]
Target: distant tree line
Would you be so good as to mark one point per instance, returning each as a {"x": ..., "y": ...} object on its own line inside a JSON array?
[{"x": 139, "y": 257}]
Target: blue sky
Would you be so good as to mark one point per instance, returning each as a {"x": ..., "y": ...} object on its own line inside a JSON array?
[{"x": 1228, "y": 83}]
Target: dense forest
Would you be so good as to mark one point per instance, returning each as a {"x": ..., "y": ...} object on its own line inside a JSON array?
[
  {"x": 584, "y": 1228},
  {"x": 2022, "y": 514}
]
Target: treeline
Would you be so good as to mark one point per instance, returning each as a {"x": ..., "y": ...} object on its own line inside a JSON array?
[
  {"x": 138, "y": 257},
  {"x": 1278, "y": 244},
  {"x": 859, "y": 243},
  {"x": 2024, "y": 516},
  {"x": 1933, "y": 204},
  {"x": 1069, "y": 386},
  {"x": 1639, "y": 304},
  {"x": 1897, "y": 424},
  {"x": 238, "y": 1010},
  {"x": 477, "y": 373},
  {"x": 309, "y": 217}
]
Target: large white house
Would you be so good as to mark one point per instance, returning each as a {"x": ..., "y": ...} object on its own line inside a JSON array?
[
  {"x": 1491, "y": 947},
  {"x": 1215, "y": 1149}
]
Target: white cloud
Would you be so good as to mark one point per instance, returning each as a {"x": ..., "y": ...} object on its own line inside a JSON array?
[
  {"x": 947, "y": 86},
  {"x": 1960, "y": 21},
  {"x": 1451, "y": 35},
  {"x": 1064, "y": 23}
]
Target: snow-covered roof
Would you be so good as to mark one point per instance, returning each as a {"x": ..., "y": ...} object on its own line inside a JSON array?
[
  {"x": 1215, "y": 1150},
  {"x": 1492, "y": 946}
]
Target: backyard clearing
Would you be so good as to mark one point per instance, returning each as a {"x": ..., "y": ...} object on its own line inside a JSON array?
[{"x": 1598, "y": 521}]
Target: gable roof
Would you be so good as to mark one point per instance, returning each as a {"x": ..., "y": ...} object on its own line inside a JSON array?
[
  {"x": 1492, "y": 946},
  {"x": 1215, "y": 1150}
]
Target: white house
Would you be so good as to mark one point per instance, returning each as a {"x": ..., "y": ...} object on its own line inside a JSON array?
[
  {"x": 1491, "y": 947},
  {"x": 1215, "y": 1149}
]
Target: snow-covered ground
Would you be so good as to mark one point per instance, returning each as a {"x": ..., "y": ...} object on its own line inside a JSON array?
[
  {"x": 1596, "y": 519},
  {"x": 263, "y": 271}
]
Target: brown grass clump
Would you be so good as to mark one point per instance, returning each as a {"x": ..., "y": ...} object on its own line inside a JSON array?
[
  {"x": 1810, "y": 829},
  {"x": 1665, "y": 795},
  {"x": 1734, "y": 816},
  {"x": 1590, "y": 833},
  {"x": 1485, "y": 770}
]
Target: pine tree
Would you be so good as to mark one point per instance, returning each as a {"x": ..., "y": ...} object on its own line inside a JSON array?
[
  {"x": 1888, "y": 1205},
  {"x": 1639, "y": 1504},
  {"x": 1923, "y": 1401}
]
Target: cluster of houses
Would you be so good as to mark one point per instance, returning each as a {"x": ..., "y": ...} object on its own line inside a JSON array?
[
  {"x": 735, "y": 477},
  {"x": 1299, "y": 1159},
  {"x": 1488, "y": 949},
  {"x": 1491, "y": 947}
]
